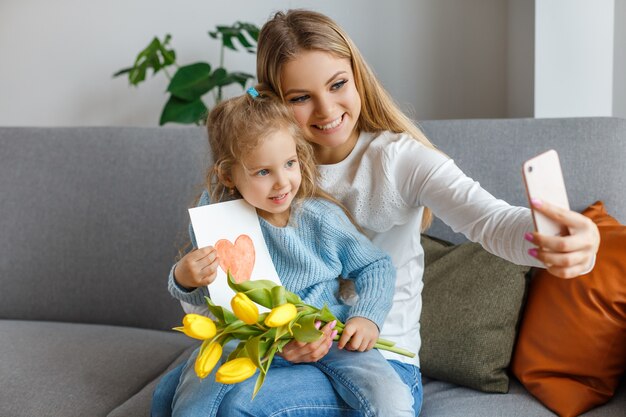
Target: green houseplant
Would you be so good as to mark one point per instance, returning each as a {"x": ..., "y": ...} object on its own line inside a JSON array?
[{"x": 190, "y": 83}]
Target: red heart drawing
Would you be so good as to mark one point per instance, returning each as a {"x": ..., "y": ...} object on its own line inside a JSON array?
[{"x": 238, "y": 258}]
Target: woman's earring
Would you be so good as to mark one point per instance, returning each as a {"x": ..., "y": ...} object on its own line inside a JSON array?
[{"x": 231, "y": 191}]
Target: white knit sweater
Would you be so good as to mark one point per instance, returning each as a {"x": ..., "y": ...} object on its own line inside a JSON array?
[{"x": 385, "y": 182}]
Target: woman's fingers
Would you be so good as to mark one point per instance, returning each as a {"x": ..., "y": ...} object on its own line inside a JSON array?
[
  {"x": 560, "y": 215},
  {"x": 566, "y": 256}
]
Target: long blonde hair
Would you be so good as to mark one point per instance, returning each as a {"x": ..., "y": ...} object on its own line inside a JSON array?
[
  {"x": 238, "y": 125},
  {"x": 288, "y": 33}
]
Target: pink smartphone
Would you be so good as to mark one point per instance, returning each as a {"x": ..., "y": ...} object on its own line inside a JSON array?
[{"x": 544, "y": 180}]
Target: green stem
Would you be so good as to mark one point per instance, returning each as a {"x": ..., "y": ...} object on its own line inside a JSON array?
[
  {"x": 388, "y": 345},
  {"x": 394, "y": 349},
  {"x": 385, "y": 342}
]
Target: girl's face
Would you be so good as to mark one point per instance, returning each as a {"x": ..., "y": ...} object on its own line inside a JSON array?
[
  {"x": 320, "y": 88},
  {"x": 269, "y": 177}
]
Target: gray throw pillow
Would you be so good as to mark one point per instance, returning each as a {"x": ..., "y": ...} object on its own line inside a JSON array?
[{"x": 472, "y": 301}]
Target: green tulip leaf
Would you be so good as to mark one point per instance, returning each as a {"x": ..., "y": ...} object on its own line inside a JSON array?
[
  {"x": 259, "y": 383},
  {"x": 223, "y": 315},
  {"x": 279, "y": 296},
  {"x": 261, "y": 296},
  {"x": 177, "y": 110},
  {"x": 237, "y": 351},
  {"x": 191, "y": 81},
  {"x": 249, "y": 285},
  {"x": 282, "y": 332},
  {"x": 304, "y": 329},
  {"x": 325, "y": 315}
]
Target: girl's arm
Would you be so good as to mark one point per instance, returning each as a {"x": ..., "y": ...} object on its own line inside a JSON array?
[{"x": 371, "y": 269}]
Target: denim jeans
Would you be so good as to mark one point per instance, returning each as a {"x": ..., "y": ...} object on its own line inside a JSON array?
[{"x": 290, "y": 390}]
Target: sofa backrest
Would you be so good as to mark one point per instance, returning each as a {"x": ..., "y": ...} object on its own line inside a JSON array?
[
  {"x": 91, "y": 219},
  {"x": 592, "y": 153}
]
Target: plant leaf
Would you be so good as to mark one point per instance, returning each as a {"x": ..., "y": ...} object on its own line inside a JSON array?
[
  {"x": 279, "y": 296},
  {"x": 191, "y": 81},
  {"x": 259, "y": 383},
  {"x": 241, "y": 78},
  {"x": 304, "y": 329},
  {"x": 177, "y": 110},
  {"x": 155, "y": 56},
  {"x": 261, "y": 296},
  {"x": 223, "y": 315},
  {"x": 249, "y": 285},
  {"x": 235, "y": 353}
]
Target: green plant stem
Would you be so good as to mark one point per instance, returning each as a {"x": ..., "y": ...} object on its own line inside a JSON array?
[
  {"x": 386, "y": 346},
  {"x": 386, "y": 342}
]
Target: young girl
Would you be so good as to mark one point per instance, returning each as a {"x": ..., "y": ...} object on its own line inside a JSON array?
[
  {"x": 384, "y": 170},
  {"x": 261, "y": 155}
]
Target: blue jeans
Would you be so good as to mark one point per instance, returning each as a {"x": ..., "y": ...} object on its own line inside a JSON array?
[{"x": 310, "y": 392}]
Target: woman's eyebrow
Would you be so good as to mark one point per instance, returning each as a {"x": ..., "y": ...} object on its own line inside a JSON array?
[
  {"x": 335, "y": 76},
  {"x": 299, "y": 90}
]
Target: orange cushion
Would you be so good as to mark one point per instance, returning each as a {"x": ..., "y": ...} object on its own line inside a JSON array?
[{"x": 571, "y": 348}]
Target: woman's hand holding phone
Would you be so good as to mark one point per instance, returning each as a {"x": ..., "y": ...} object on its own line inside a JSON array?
[{"x": 567, "y": 242}]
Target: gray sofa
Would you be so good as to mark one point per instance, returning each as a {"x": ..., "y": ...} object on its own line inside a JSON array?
[{"x": 92, "y": 218}]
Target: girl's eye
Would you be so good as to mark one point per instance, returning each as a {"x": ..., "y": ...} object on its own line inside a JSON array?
[
  {"x": 262, "y": 173},
  {"x": 299, "y": 99},
  {"x": 291, "y": 163},
  {"x": 338, "y": 85}
]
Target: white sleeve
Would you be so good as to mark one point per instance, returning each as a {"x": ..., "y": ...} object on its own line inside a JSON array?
[{"x": 426, "y": 177}]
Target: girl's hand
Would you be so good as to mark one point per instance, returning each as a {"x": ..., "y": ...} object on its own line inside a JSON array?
[
  {"x": 300, "y": 352},
  {"x": 198, "y": 268},
  {"x": 566, "y": 256},
  {"x": 359, "y": 334}
]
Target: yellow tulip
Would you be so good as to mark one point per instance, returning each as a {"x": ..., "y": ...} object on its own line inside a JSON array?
[
  {"x": 244, "y": 308},
  {"x": 234, "y": 371},
  {"x": 197, "y": 326},
  {"x": 207, "y": 361},
  {"x": 281, "y": 315}
]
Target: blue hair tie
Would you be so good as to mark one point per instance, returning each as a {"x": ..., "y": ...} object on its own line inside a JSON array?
[{"x": 252, "y": 91}]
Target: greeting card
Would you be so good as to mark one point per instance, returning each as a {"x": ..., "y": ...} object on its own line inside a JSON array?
[{"x": 233, "y": 229}]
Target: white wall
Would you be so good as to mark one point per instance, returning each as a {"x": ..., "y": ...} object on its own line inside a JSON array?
[
  {"x": 438, "y": 58},
  {"x": 574, "y": 58}
]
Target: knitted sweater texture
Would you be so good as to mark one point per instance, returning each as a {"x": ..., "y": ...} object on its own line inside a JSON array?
[{"x": 319, "y": 245}]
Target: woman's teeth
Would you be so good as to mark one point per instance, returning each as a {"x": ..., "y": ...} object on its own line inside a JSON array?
[
  {"x": 279, "y": 197},
  {"x": 330, "y": 125}
]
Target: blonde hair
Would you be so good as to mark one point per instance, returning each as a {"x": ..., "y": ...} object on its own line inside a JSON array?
[
  {"x": 288, "y": 33},
  {"x": 238, "y": 125}
]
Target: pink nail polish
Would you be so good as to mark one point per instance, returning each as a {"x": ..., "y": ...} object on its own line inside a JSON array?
[
  {"x": 333, "y": 324},
  {"x": 532, "y": 252},
  {"x": 536, "y": 202},
  {"x": 333, "y": 334},
  {"x": 528, "y": 237},
  {"x": 318, "y": 324}
]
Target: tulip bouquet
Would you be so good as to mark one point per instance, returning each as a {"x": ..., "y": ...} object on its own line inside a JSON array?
[{"x": 260, "y": 335}]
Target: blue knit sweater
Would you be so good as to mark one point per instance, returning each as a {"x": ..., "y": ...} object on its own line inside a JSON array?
[{"x": 319, "y": 245}]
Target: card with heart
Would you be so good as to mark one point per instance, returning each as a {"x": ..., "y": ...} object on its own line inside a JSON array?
[{"x": 234, "y": 230}]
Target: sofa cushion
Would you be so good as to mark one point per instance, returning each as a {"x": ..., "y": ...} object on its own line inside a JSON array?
[
  {"x": 64, "y": 369},
  {"x": 471, "y": 305},
  {"x": 571, "y": 350},
  {"x": 443, "y": 399}
]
